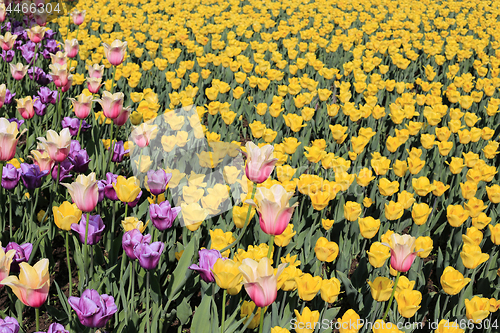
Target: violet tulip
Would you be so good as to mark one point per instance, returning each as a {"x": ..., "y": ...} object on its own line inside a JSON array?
[
  {"x": 57, "y": 328},
  {"x": 163, "y": 215},
  {"x": 31, "y": 175},
  {"x": 95, "y": 229},
  {"x": 157, "y": 181},
  {"x": 149, "y": 254},
  {"x": 23, "y": 253},
  {"x": 93, "y": 310},
  {"x": 206, "y": 261},
  {"x": 119, "y": 152},
  {"x": 9, "y": 325},
  {"x": 130, "y": 239},
  {"x": 10, "y": 176}
]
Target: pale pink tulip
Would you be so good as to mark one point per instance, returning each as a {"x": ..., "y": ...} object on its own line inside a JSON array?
[
  {"x": 60, "y": 74},
  {"x": 115, "y": 53},
  {"x": 3, "y": 92},
  {"x": 84, "y": 192},
  {"x": 260, "y": 162},
  {"x": 143, "y": 134},
  {"x": 71, "y": 47},
  {"x": 8, "y": 139},
  {"x": 402, "y": 252},
  {"x": 94, "y": 84},
  {"x": 112, "y": 104},
  {"x": 36, "y": 33},
  {"x": 274, "y": 208},
  {"x": 3, "y": 12},
  {"x": 57, "y": 145},
  {"x": 82, "y": 105},
  {"x": 259, "y": 280},
  {"x": 25, "y": 107},
  {"x": 78, "y": 16},
  {"x": 42, "y": 159},
  {"x": 95, "y": 71},
  {"x": 18, "y": 71},
  {"x": 59, "y": 58},
  {"x": 5, "y": 262}
]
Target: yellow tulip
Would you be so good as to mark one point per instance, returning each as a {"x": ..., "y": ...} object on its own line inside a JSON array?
[
  {"x": 408, "y": 302},
  {"x": 477, "y": 309},
  {"x": 127, "y": 190},
  {"x": 378, "y": 254},
  {"x": 453, "y": 281},
  {"x": 220, "y": 239},
  {"x": 381, "y": 288},
  {"x": 423, "y": 246},
  {"x": 368, "y": 226},
  {"x": 132, "y": 222},
  {"x": 285, "y": 238},
  {"x": 308, "y": 286},
  {"x": 330, "y": 290},
  {"x": 66, "y": 214},
  {"x": 227, "y": 275},
  {"x": 325, "y": 250},
  {"x": 352, "y": 210},
  {"x": 350, "y": 322},
  {"x": 327, "y": 224},
  {"x": 472, "y": 256},
  {"x": 305, "y": 321}
]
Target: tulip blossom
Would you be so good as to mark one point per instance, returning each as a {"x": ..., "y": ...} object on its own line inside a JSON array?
[
  {"x": 57, "y": 145},
  {"x": 59, "y": 58},
  {"x": 260, "y": 281},
  {"x": 157, "y": 181},
  {"x": 5, "y": 263},
  {"x": 60, "y": 74},
  {"x": 66, "y": 215},
  {"x": 93, "y": 310},
  {"x": 32, "y": 285},
  {"x": 42, "y": 159},
  {"x": 10, "y": 177},
  {"x": 81, "y": 105},
  {"x": 95, "y": 71},
  {"x": 18, "y": 71},
  {"x": 402, "y": 252},
  {"x": 130, "y": 239},
  {"x": 7, "y": 41},
  {"x": 36, "y": 34},
  {"x": 31, "y": 175},
  {"x": 143, "y": 134},
  {"x": 22, "y": 254},
  {"x": 260, "y": 163},
  {"x": 94, "y": 84},
  {"x": 78, "y": 16},
  {"x": 163, "y": 215},
  {"x": 149, "y": 254},
  {"x": 112, "y": 104},
  {"x": 25, "y": 107},
  {"x": 8, "y": 139},
  {"x": 207, "y": 259},
  {"x": 273, "y": 208},
  {"x": 71, "y": 48},
  {"x": 95, "y": 229},
  {"x": 84, "y": 192},
  {"x": 115, "y": 53},
  {"x": 127, "y": 189},
  {"x": 3, "y": 93}
]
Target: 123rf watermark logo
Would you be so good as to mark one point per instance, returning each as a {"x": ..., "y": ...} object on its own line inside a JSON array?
[{"x": 380, "y": 325}]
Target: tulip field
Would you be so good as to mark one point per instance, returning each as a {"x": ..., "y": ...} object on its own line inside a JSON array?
[{"x": 249, "y": 166}]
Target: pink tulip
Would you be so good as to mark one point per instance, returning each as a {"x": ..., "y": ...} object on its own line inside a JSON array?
[
  {"x": 143, "y": 134},
  {"x": 3, "y": 12},
  {"x": 82, "y": 105},
  {"x": 78, "y": 16},
  {"x": 273, "y": 208},
  {"x": 84, "y": 192},
  {"x": 260, "y": 281},
  {"x": 260, "y": 163},
  {"x": 96, "y": 71},
  {"x": 71, "y": 48},
  {"x": 18, "y": 71},
  {"x": 57, "y": 145},
  {"x": 112, "y": 104},
  {"x": 59, "y": 58},
  {"x": 25, "y": 107},
  {"x": 115, "y": 53},
  {"x": 36, "y": 34},
  {"x": 94, "y": 84},
  {"x": 60, "y": 74},
  {"x": 123, "y": 116},
  {"x": 7, "y": 41},
  {"x": 3, "y": 93},
  {"x": 402, "y": 252},
  {"x": 8, "y": 139},
  {"x": 42, "y": 159},
  {"x": 68, "y": 84},
  {"x": 5, "y": 262}
]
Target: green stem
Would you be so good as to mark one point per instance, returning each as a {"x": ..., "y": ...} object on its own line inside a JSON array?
[
  {"x": 131, "y": 281},
  {"x": 271, "y": 246},
  {"x": 392, "y": 296},
  {"x": 262, "y": 311},
  {"x": 113, "y": 80},
  {"x": 10, "y": 215},
  {"x": 85, "y": 247},
  {"x": 69, "y": 265},
  {"x": 37, "y": 316},
  {"x": 111, "y": 149},
  {"x": 79, "y": 129},
  {"x": 223, "y": 311},
  {"x": 246, "y": 223},
  {"x": 147, "y": 302}
]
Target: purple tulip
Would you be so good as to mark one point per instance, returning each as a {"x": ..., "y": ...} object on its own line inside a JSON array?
[
  {"x": 50, "y": 34},
  {"x": 47, "y": 96},
  {"x": 73, "y": 124},
  {"x": 57, "y": 328},
  {"x": 9, "y": 97},
  {"x": 100, "y": 186},
  {"x": 51, "y": 46},
  {"x": 149, "y": 254},
  {"x": 130, "y": 239},
  {"x": 32, "y": 176},
  {"x": 78, "y": 157},
  {"x": 158, "y": 180},
  {"x": 66, "y": 167},
  {"x": 92, "y": 309},
  {"x": 134, "y": 203},
  {"x": 10, "y": 176},
  {"x": 9, "y": 325},
  {"x": 163, "y": 215},
  {"x": 8, "y": 56},
  {"x": 206, "y": 263},
  {"x": 23, "y": 253},
  {"x": 109, "y": 190},
  {"x": 39, "y": 106},
  {"x": 119, "y": 152},
  {"x": 95, "y": 230}
]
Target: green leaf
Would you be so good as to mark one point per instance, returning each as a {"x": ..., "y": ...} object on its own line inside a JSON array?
[
  {"x": 200, "y": 320},
  {"x": 181, "y": 272}
]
